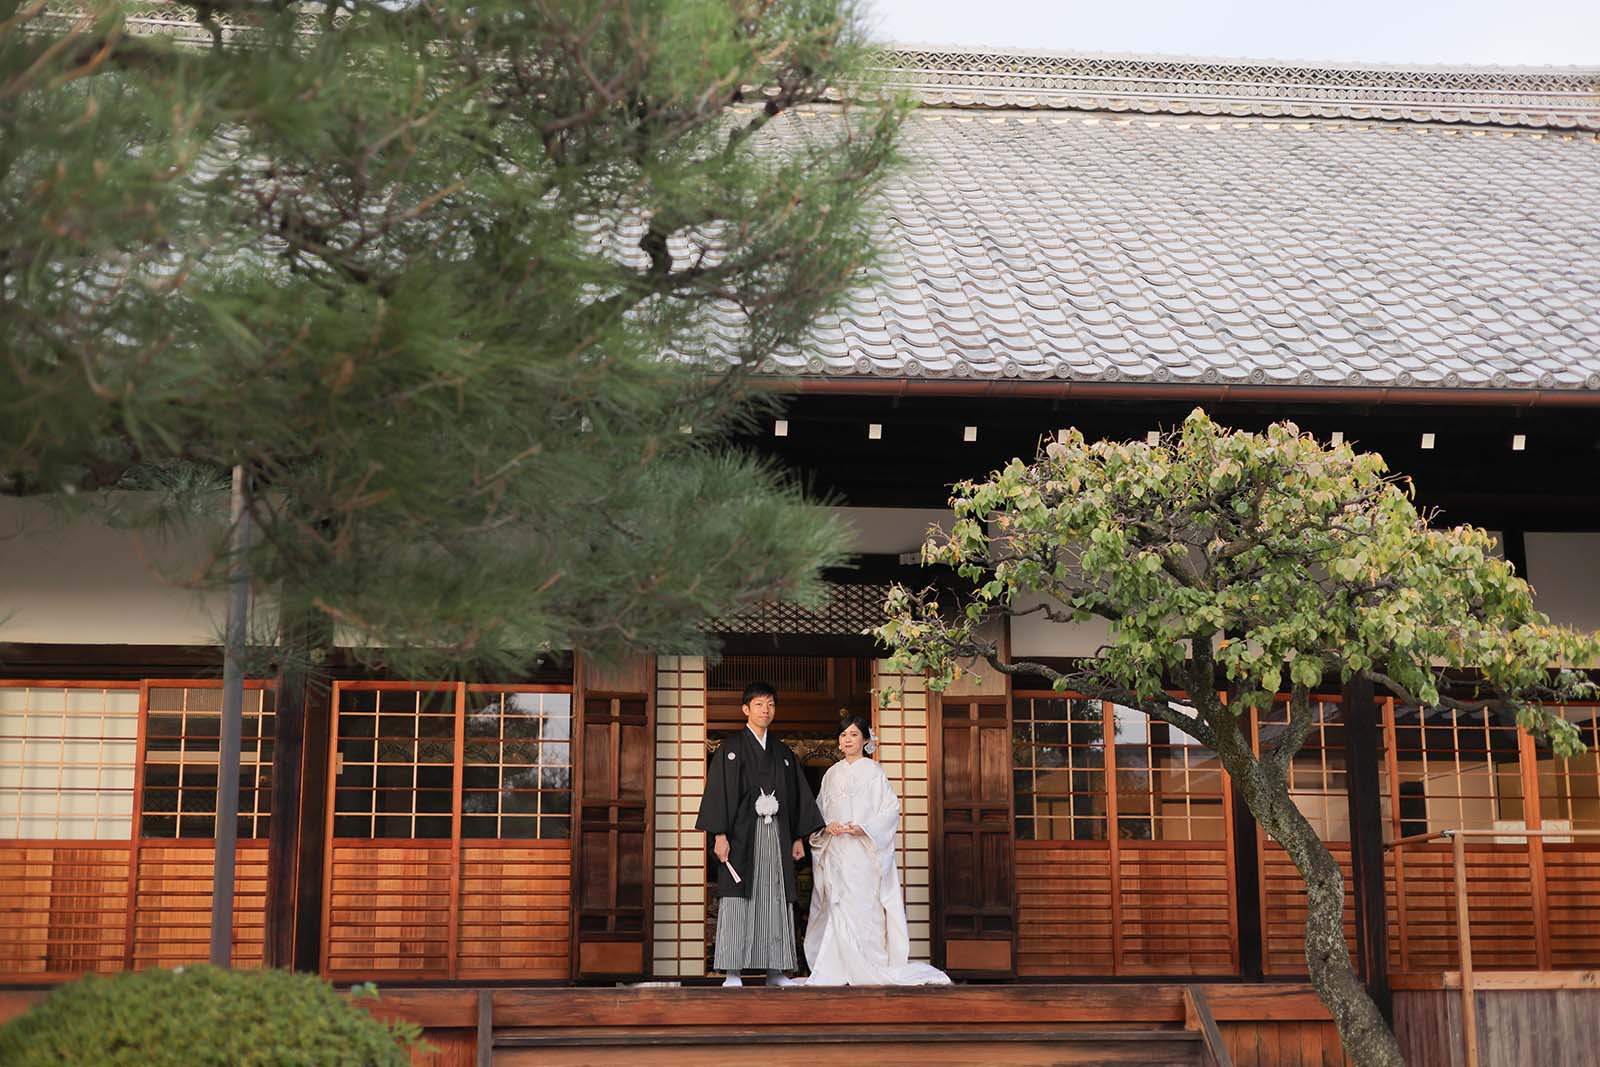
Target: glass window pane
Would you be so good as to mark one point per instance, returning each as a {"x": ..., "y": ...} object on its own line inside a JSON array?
[{"x": 1058, "y": 768}]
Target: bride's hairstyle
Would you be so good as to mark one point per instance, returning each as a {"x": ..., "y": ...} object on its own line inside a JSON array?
[{"x": 860, "y": 723}]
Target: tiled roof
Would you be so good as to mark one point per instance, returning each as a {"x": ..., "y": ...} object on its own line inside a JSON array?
[
  {"x": 1556, "y": 97},
  {"x": 1080, "y": 247},
  {"x": 1135, "y": 219}
]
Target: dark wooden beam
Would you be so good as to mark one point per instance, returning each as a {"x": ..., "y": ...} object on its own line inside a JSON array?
[
  {"x": 110, "y": 663},
  {"x": 318, "y": 733},
  {"x": 1247, "y": 886},
  {"x": 831, "y": 645},
  {"x": 283, "y": 833},
  {"x": 1363, "y": 742}
]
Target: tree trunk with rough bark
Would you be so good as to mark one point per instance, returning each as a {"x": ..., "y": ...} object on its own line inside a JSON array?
[{"x": 1367, "y": 1039}]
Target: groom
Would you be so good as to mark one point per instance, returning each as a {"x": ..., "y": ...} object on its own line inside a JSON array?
[{"x": 757, "y": 810}]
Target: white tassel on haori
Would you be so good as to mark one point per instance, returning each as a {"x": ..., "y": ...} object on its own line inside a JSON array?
[{"x": 767, "y": 805}]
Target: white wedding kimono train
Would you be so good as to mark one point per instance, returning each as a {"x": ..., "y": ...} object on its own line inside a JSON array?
[{"x": 856, "y": 934}]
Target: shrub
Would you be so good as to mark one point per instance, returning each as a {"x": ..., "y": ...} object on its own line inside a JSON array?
[{"x": 203, "y": 1017}]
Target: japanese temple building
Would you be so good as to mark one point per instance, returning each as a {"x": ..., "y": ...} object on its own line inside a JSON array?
[{"x": 1407, "y": 258}]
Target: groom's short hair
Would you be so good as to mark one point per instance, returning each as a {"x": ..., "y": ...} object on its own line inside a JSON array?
[{"x": 758, "y": 689}]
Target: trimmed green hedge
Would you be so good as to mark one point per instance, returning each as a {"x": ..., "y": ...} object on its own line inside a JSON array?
[{"x": 203, "y": 1017}]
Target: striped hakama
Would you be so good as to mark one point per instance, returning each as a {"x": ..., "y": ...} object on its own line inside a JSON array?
[{"x": 757, "y": 933}]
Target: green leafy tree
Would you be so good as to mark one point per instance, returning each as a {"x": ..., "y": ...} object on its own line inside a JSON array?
[
  {"x": 471, "y": 292},
  {"x": 1267, "y": 561}
]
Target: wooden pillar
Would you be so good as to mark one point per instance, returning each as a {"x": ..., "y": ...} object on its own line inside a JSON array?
[
  {"x": 318, "y": 735},
  {"x": 302, "y": 704},
  {"x": 295, "y": 831},
  {"x": 1248, "y": 902},
  {"x": 1362, "y": 737},
  {"x": 283, "y": 831}
]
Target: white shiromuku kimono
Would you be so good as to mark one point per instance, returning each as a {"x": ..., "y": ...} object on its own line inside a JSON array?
[{"x": 856, "y": 934}]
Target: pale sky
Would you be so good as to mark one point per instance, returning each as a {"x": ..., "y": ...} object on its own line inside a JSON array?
[{"x": 1477, "y": 32}]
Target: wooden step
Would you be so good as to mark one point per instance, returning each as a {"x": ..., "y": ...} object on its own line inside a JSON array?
[{"x": 840, "y": 1042}]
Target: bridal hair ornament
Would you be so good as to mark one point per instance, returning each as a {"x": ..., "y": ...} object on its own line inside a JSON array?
[
  {"x": 870, "y": 747},
  {"x": 767, "y": 805}
]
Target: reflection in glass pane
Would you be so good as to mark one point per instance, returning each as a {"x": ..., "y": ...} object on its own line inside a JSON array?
[
  {"x": 524, "y": 826},
  {"x": 356, "y": 776},
  {"x": 480, "y": 777},
  {"x": 401, "y": 726},
  {"x": 352, "y": 826},
  {"x": 394, "y": 826},
  {"x": 355, "y": 725},
  {"x": 159, "y": 826},
  {"x": 521, "y": 726},
  {"x": 479, "y": 827},
  {"x": 481, "y": 753},
  {"x": 391, "y": 751},
  {"x": 197, "y": 825},
  {"x": 440, "y": 751},
  {"x": 437, "y": 726},
  {"x": 396, "y": 776},
  {"x": 434, "y": 800},
  {"x": 435, "y": 777}
]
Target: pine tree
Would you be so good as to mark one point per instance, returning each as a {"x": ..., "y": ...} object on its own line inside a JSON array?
[{"x": 472, "y": 292}]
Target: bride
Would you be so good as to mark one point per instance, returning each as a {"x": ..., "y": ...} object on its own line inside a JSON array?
[{"x": 856, "y": 934}]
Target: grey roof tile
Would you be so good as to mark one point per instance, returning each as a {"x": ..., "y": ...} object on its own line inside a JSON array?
[{"x": 1154, "y": 251}]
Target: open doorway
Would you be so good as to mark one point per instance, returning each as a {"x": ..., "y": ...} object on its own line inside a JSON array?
[{"x": 814, "y": 693}]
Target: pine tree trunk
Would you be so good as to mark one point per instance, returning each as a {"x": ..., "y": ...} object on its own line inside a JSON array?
[{"x": 1366, "y": 1037}]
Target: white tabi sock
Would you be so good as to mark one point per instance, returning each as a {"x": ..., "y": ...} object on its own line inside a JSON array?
[{"x": 733, "y": 981}]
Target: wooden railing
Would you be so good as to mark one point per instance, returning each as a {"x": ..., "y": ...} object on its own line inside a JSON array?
[{"x": 1463, "y": 917}]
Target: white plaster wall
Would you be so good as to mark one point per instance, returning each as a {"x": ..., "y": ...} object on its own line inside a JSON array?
[
  {"x": 1564, "y": 569},
  {"x": 892, "y": 530},
  {"x": 83, "y": 582},
  {"x": 1035, "y": 635}
]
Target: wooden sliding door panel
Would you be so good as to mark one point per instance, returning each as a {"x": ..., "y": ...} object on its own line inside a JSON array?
[
  {"x": 172, "y": 903},
  {"x": 613, "y": 850},
  {"x": 975, "y": 865},
  {"x": 515, "y": 910},
  {"x": 65, "y": 908},
  {"x": 449, "y": 821},
  {"x": 1065, "y": 917}
]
